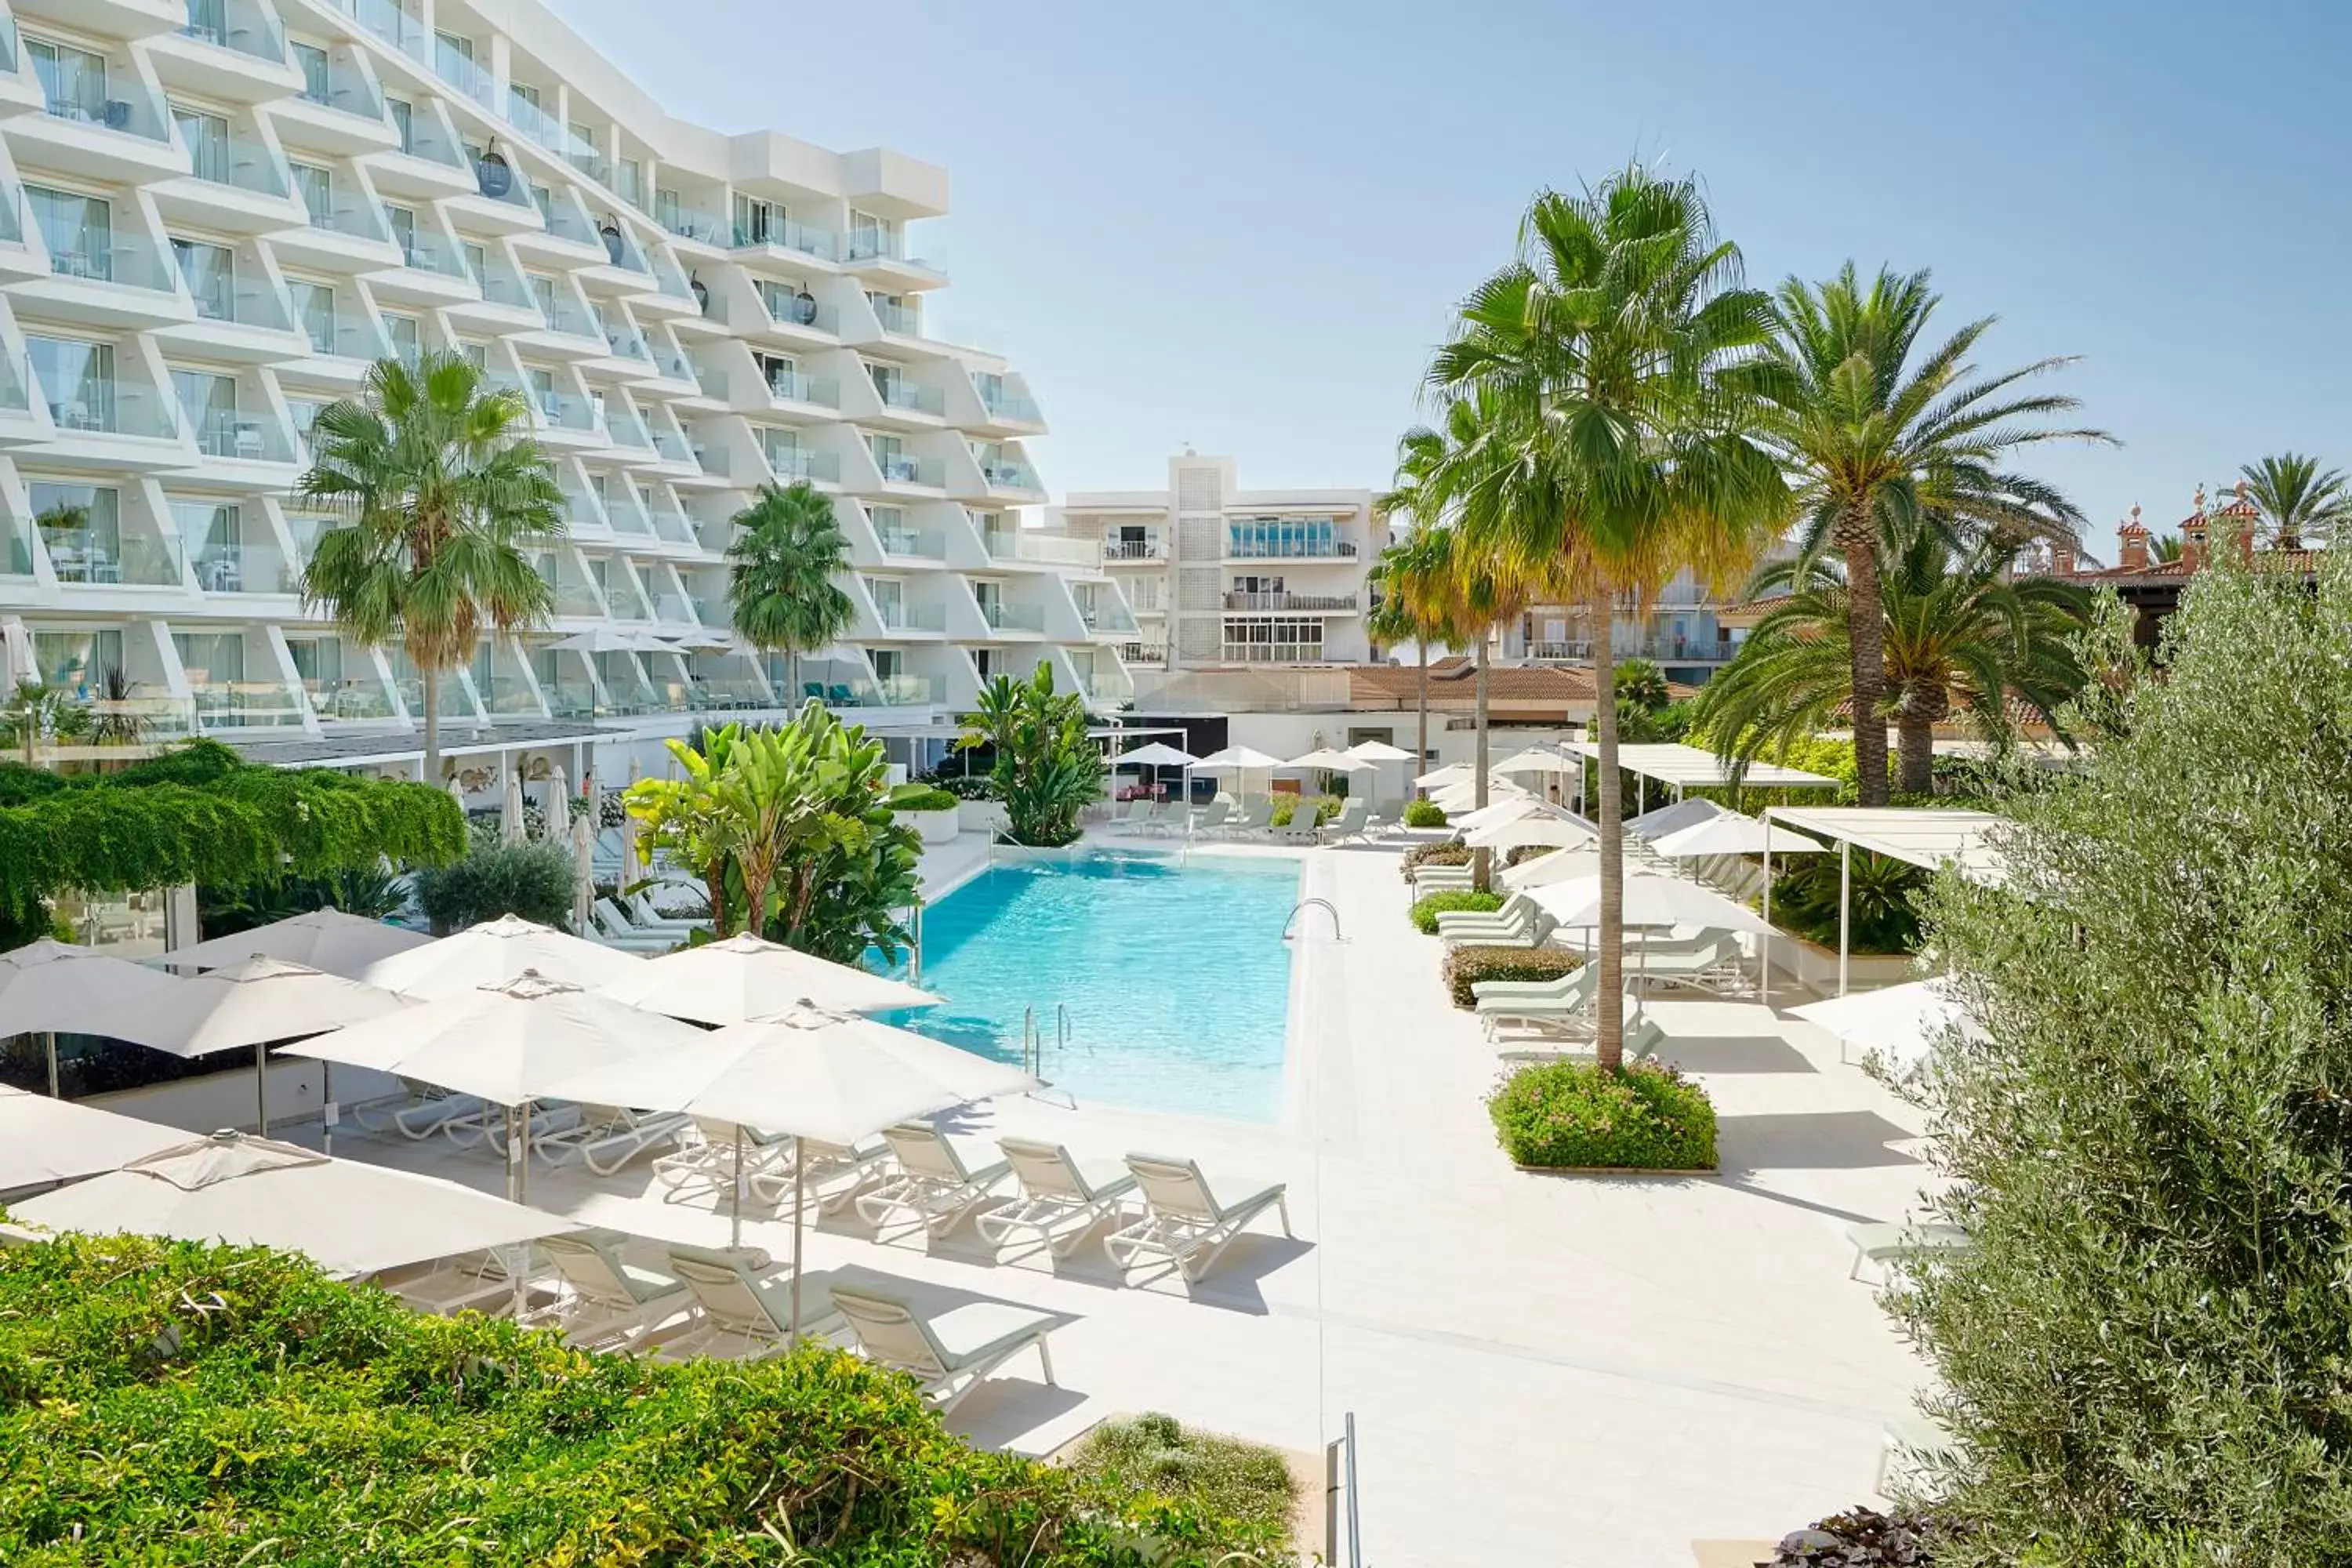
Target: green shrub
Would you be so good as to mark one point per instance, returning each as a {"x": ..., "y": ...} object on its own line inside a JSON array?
[
  {"x": 1425, "y": 911},
  {"x": 1425, "y": 814},
  {"x": 531, "y": 878},
  {"x": 1522, "y": 852},
  {"x": 1227, "y": 1483},
  {"x": 1806, "y": 900},
  {"x": 1286, "y": 810},
  {"x": 1466, "y": 966},
  {"x": 921, "y": 798},
  {"x": 1435, "y": 854},
  {"x": 967, "y": 786},
  {"x": 1574, "y": 1115},
  {"x": 174, "y": 1403}
]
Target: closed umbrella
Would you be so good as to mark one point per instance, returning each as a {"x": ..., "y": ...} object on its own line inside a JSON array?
[
  {"x": 248, "y": 1004},
  {"x": 326, "y": 940},
  {"x": 747, "y": 976},
  {"x": 510, "y": 820},
  {"x": 631, "y": 872},
  {"x": 559, "y": 806},
  {"x": 495, "y": 952},
  {"x": 349, "y": 1217},
  {"x": 810, "y": 1073},
  {"x": 458, "y": 792},
  {"x": 46, "y": 987},
  {"x": 44, "y": 1140}
]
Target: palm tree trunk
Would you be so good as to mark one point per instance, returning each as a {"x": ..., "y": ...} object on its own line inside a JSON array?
[
  {"x": 1421, "y": 758},
  {"x": 714, "y": 884},
  {"x": 1608, "y": 1004},
  {"x": 432, "y": 679},
  {"x": 1857, "y": 541},
  {"x": 1916, "y": 753},
  {"x": 1482, "y": 860}
]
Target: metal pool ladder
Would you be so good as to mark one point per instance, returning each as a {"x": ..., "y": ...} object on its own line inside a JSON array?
[
  {"x": 1326, "y": 906},
  {"x": 1032, "y": 1046}
]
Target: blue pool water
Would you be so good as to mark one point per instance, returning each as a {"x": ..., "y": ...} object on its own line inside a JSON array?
[{"x": 1176, "y": 978}]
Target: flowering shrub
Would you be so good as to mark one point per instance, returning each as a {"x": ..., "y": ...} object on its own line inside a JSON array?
[{"x": 1466, "y": 966}]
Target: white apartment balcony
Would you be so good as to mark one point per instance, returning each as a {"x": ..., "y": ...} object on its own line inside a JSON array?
[
  {"x": 673, "y": 453},
  {"x": 244, "y": 569},
  {"x": 1036, "y": 547},
  {"x": 1149, "y": 550},
  {"x": 345, "y": 337},
  {"x": 779, "y": 239},
  {"x": 1285, "y": 602},
  {"x": 98, "y": 121},
  {"x": 895, "y": 470},
  {"x": 627, "y": 354},
  {"x": 673, "y": 373},
  {"x": 346, "y": 231},
  {"x": 566, "y": 327},
  {"x": 1103, "y": 611},
  {"x": 502, "y": 200},
  {"x": 794, "y": 315},
  {"x": 1007, "y": 620},
  {"x": 433, "y": 270},
  {"x": 242, "y": 312},
  {"x": 904, "y": 545},
  {"x": 505, "y": 304},
  {"x": 565, "y": 235},
  {"x": 1005, "y": 404},
  {"x": 1098, "y": 676},
  {"x": 791, "y": 463},
  {"x": 1005, "y": 474},
  {"x": 104, "y": 421},
  {"x": 85, "y": 558},
  {"x": 237, "y": 184},
  {"x": 112, "y": 275},
  {"x": 893, "y": 397},
  {"x": 894, "y": 615},
  {"x": 246, "y": 445},
  {"x": 339, "y": 109},
  {"x": 233, "y": 51},
  {"x": 778, "y": 390},
  {"x": 1288, "y": 539}
]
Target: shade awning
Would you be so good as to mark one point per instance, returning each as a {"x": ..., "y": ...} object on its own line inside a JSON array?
[
  {"x": 1156, "y": 755},
  {"x": 1236, "y": 759},
  {"x": 1649, "y": 900},
  {"x": 1692, "y": 767},
  {"x": 1929, "y": 837},
  {"x": 1732, "y": 833}
]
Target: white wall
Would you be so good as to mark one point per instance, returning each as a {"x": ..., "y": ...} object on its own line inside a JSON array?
[{"x": 225, "y": 1100}]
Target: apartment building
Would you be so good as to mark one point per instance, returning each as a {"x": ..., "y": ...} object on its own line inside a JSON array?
[
  {"x": 1689, "y": 631},
  {"x": 216, "y": 214},
  {"x": 1217, "y": 576}
]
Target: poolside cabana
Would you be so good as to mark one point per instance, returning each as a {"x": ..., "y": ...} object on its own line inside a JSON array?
[
  {"x": 1928, "y": 837},
  {"x": 1676, "y": 767}
]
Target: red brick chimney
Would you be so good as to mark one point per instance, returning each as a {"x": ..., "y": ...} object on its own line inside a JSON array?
[
  {"x": 2133, "y": 537},
  {"x": 2061, "y": 558},
  {"x": 2192, "y": 535},
  {"x": 2239, "y": 520}
]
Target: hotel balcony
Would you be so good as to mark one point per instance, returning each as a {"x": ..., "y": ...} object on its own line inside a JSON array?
[
  {"x": 1105, "y": 613},
  {"x": 233, "y": 50},
  {"x": 1152, "y": 549},
  {"x": 1317, "y": 604},
  {"x": 87, "y": 556},
  {"x": 340, "y": 108},
  {"x": 799, "y": 314},
  {"x": 1037, "y": 548},
  {"x": 242, "y": 436},
  {"x": 1018, "y": 619},
  {"x": 245, "y": 705},
  {"x": 1005, "y": 406},
  {"x": 1287, "y": 539},
  {"x": 796, "y": 237},
  {"x": 237, "y": 184},
  {"x": 100, "y": 121},
  {"x": 103, "y": 276},
  {"x": 898, "y": 617},
  {"x": 791, "y": 464},
  {"x": 926, "y": 544},
  {"x": 245, "y": 568}
]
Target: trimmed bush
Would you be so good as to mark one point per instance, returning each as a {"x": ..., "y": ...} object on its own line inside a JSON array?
[
  {"x": 1574, "y": 1116},
  {"x": 1434, "y": 854},
  {"x": 1425, "y": 911},
  {"x": 531, "y": 878},
  {"x": 921, "y": 798},
  {"x": 1425, "y": 814},
  {"x": 1223, "y": 1482},
  {"x": 174, "y": 1403},
  {"x": 1285, "y": 808},
  {"x": 1466, "y": 966},
  {"x": 1518, "y": 853}
]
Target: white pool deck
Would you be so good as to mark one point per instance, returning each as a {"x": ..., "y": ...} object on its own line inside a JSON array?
[{"x": 1543, "y": 1369}]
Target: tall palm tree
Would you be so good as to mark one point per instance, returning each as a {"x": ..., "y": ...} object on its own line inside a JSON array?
[
  {"x": 2302, "y": 503},
  {"x": 2164, "y": 548},
  {"x": 1961, "y": 635},
  {"x": 1880, "y": 436},
  {"x": 780, "y": 590},
  {"x": 1417, "y": 571},
  {"x": 1616, "y": 362},
  {"x": 447, "y": 500}
]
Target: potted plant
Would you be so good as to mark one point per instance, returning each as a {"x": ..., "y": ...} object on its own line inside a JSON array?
[{"x": 931, "y": 813}]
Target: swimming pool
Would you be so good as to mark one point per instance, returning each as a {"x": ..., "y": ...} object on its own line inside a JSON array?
[{"x": 1176, "y": 977}]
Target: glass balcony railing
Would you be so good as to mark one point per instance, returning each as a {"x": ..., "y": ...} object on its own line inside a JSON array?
[
  {"x": 9, "y": 59},
  {"x": 626, "y": 428},
  {"x": 791, "y": 386},
  {"x": 578, "y": 598},
  {"x": 564, "y": 217},
  {"x": 104, "y": 405},
  {"x": 332, "y": 82},
  {"x": 670, "y": 525},
  {"x": 1044, "y": 549},
  {"x": 921, "y": 545},
  {"x": 670, "y": 279},
  {"x": 344, "y": 212},
  {"x": 710, "y": 459},
  {"x": 351, "y": 701},
  {"x": 789, "y": 309},
  {"x": 245, "y": 569},
  {"x": 502, "y": 284},
  {"x": 388, "y": 21},
  {"x": 1004, "y": 618},
  {"x": 900, "y": 616},
  {"x": 238, "y": 24},
  {"x": 1107, "y": 684},
  {"x": 245, "y": 705},
  {"x": 909, "y": 690},
  {"x": 902, "y": 319},
  {"x": 626, "y": 341},
  {"x": 459, "y": 70},
  {"x": 16, "y": 547},
  {"x": 670, "y": 446},
  {"x": 509, "y": 697},
  {"x": 1008, "y": 474},
  {"x": 108, "y": 256},
  {"x": 497, "y": 178},
  {"x": 627, "y": 515},
  {"x": 241, "y": 163},
  {"x": 675, "y": 609},
  {"x": 109, "y": 557},
  {"x": 913, "y": 399},
  {"x": 901, "y": 469},
  {"x": 1102, "y": 615},
  {"x": 452, "y": 697},
  {"x": 887, "y": 244},
  {"x": 556, "y": 137},
  {"x": 247, "y": 437},
  {"x": 426, "y": 251},
  {"x": 792, "y": 463},
  {"x": 712, "y": 611},
  {"x": 1012, "y": 406},
  {"x": 687, "y": 223},
  {"x": 563, "y": 411},
  {"x": 561, "y": 314},
  {"x": 107, "y": 100},
  {"x": 344, "y": 334},
  {"x": 673, "y": 365},
  {"x": 786, "y": 236}
]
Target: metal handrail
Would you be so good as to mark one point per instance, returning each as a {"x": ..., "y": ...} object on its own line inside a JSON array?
[
  {"x": 1309, "y": 903},
  {"x": 1339, "y": 1475}
]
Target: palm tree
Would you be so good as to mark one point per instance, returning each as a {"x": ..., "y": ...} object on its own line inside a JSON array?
[
  {"x": 1959, "y": 635},
  {"x": 1878, "y": 443},
  {"x": 2302, "y": 503},
  {"x": 2165, "y": 547},
  {"x": 1616, "y": 364},
  {"x": 1417, "y": 571},
  {"x": 780, "y": 590},
  {"x": 447, "y": 499}
]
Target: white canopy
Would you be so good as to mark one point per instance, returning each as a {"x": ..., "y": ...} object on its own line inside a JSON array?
[
  {"x": 46, "y": 986},
  {"x": 746, "y": 976},
  {"x": 1896, "y": 1024},
  {"x": 612, "y": 639},
  {"x": 1656, "y": 824},
  {"x": 327, "y": 939},
  {"x": 1565, "y": 865},
  {"x": 1554, "y": 828},
  {"x": 1459, "y": 797},
  {"x": 495, "y": 952},
  {"x": 1155, "y": 754},
  {"x": 1330, "y": 761},
  {"x": 1539, "y": 760},
  {"x": 1452, "y": 773},
  {"x": 44, "y": 1140},
  {"x": 1236, "y": 759},
  {"x": 1378, "y": 751},
  {"x": 349, "y": 1218},
  {"x": 1688, "y": 767},
  {"x": 1732, "y": 833},
  {"x": 1650, "y": 900},
  {"x": 1923, "y": 835},
  {"x": 705, "y": 638},
  {"x": 1511, "y": 807},
  {"x": 247, "y": 1004}
]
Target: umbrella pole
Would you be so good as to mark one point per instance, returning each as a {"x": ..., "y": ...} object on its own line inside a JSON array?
[
  {"x": 800, "y": 1195},
  {"x": 735, "y": 1206},
  {"x": 1764, "y": 956},
  {"x": 261, "y": 1086},
  {"x": 522, "y": 1154},
  {"x": 52, "y": 1037},
  {"x": 326, "y": 1107}
]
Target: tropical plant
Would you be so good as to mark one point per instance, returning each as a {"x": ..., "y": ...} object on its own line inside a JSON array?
[
  {"x": 447, "y": 499},
  {"x": 372, "y": 892},
  {"x": 114, "y": 720},
  {"x": 1616, "y": 364},
  {"x": 1883, "y": 445},
  {"x": 2302, "y": 503},
  {"x": 1873, "y": 898},
  {"x": 1958, "y": 635},
  {"x": 1047, "y": 770},
  {"x": 1642, "y": 685},
  {"x": 532, "y": 879},
  {"x": 2146, "y": 1138},
  {"x": 2164, "y": 548},
  {"x": 782, "y": 590},
  {"x": 685, "y": 819},
  {"x": 32, "y": 716},
  {"x": 1415, "y": 575}
]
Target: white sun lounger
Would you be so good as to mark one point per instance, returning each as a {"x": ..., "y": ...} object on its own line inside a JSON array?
[
  {"x": 1183, "y": 1221},
  {"x": 545, "y": 1122},
  {"x": 742, "y": 1312},
  {"x": 704, "y": 1156},
  {"x": 949, "y": 1353},
  {"x": 471, "y": 1281},
  {"x": 1892, "y": 1244},
  {"x": 1554, "y": 1004},
  {"x": 1215, "y": 818},
  {"x": 828, "y": 1164},
  {"x": 1644, "y": 1037},
  {"x": 424, "y": 1112},
  {"x": 1355, "y": 814},
  {"x": 607, "y": 1137},
  {"x": 933, "y": 1180},
  {"x": 603, "y": 1300},
  {"x": 1057, "y": 1195}
]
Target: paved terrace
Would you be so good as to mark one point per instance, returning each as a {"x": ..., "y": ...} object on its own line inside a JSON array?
[{"x": 1545, "y": 1369}]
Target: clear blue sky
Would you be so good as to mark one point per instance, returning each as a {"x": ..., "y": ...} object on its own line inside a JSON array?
[{"x": 1243, "y": 222}]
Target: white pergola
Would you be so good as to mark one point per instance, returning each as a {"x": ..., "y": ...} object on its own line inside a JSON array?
[
  {"x": 1930, "y": 836},
  {"x": 1678, "y": 767}
]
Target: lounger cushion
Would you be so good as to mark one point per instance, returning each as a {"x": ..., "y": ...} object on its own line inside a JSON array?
[{"x": 979, "y": 1331}]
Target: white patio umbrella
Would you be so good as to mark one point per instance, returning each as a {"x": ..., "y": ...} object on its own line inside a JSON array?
[
  {"x": 248, "y": 1004},
  {"x": 1452, "y": 773},
  {"x": 1730, "y": 833},
  {"x": 631, "y": 871},
  {"x": 747, "y": 976},
  {"x": 1555, "y": 828},
  {"x": 604, "y": 639},
  {"x": 1565, "y": 865},
  {"x": 809, "y": 1073},
  {"x": 1240, "y": 762},
  {"x": 507, "y": 1043},
  {"x": 558, "y": 806},
  {"x": 326, "y": 940},
  {"x": 706, "y": 640},
  {"x": 1378, "y": 751},
  {"x": 349, "y": 1217},
  {"x": 1327, "y": 760},
  {"x": 584, "y": 872},
  {"x": 46, "y": 986},
  {"x": 43, "y": 1140},
  {"x": 595, "y": 790},
  {"x": 510, "y": 820},
  {"x": 495, "y": 952},
  {"x": 1651, "y": 899},
  {"x": 1511, "y": 806},
  {"x": 1156, "y": 755},
  {"x": 1655, "y": 824},
  {"x": 1898, "y": 1024},
  {"x": 1539, "y": 760}
]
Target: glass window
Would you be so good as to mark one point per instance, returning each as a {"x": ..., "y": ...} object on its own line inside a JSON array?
[
  {"x": 314, "y": 304},
  {"x": 316, "y": 186},
  {"x": 407, "y": 338},
  {"x": 206, "y": 138},
  {"x": 81, "y": 526},
  {"x": 208, "y": 20},
  {"x": 318, "y": 660},
  {"x": 312, "y": 61},
  {"x": 210, "y": 271},
  {"x": 73, "y": 82},
  {"x": 77, "y": 661},
  {"x": 79, "y": 231},
  {"x": 214, "y": 535},
  {"x": 629, "y": 180},
  {"x": 404, "y": 119},
  {"x": 211, "y": 659},
  {"x": 209, "y": 404},
  {"x": 78, "y": 379}
]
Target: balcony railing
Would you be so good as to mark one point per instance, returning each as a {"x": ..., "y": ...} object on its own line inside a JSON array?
[
  {"x": 909, "y": 690},
  {"x": 902, "y": 319},
  {"x": 109, "y": 557},
  {"x": 352, "y": 700},
  {"x": 1148, "y": 653},
  {"x": 670, "y": 446},
  {"x": 1321, "y": 544},
  {"x": 791, "y": 386},
  {"x": 118, "y": 101},
  {"x": 673, "y": 365},
  {"x": 246, "y": 569},
  {"x": 344, "y": 211},
  {"x": 1106, "y": 615},
  {"x": 246, "y": 300},
  {"x": 509, "y": 697},
  {"x": 800, "y": 310},
  {"x": 1105, "y": 685},
  {"x": 1011, "y": 405},
  {"x": 560, "y": 313},
  {"x": 1005, "y": 617},
  {"x": 921, "y": 544},
  {"x": 1005, "y": 474},
  {"x": 675, "y": 610},
  {"x": 240, "y": 162},
  {"x": 563, "y": 411},
  {"x": 626, "y": 428},
  {"x": 243, "y": 437},
  {"x": 104, "y": 405},
  {"x": 688, "y": 224},
  {"x": 108, "y": 256},
  {"x": 904, "y": 470},
  {"x": 387, "y": 21},
  {"x": 1135, "y": 550},
  {"x": 901, "y": 616},
  {"x": 245, "y": 705},
  {"x": 460, "y": 71},
  {"x": 341, "y": 86},
  {"x": 817, "y": 242},
  {"x": 1288, "y": 601},
  {"x": 427, "y": 252},
  {"x": 626, "y": 516},
  {"x": 345, "y": 334},
  {"x": 239, "y": 25},
  {"x": 1044, "y": 549},
  {"x": 792, "y": 463},
  {"x": 556, "y": 137},
  {"x": 914, "y": 399}
]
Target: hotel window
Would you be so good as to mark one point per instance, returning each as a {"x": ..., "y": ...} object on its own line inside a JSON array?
[
  {"x": 73, "y": 82},
  {"x": 78, "y": 379},
  {"x": 210, "y": 271},
  {"x": 209, "y": 404},
  {"x": 629, "y": 180},
  {"x": 213, "y": 532},
  {"x": 312, "y": 61},
  {"x": 81, "y": 526},
  {"x": 206, "y": 138},
  {"x": 316, "y": 186},
  {"x": 524, "y": 92},
  {"x": 77, "y": 662},
  {"x": 404, "y": 119},
  {"x": 407, "y": 340},
  {"x": 314, "y": 307},
  {"x": 79, "y": 231},
  {"x": 403, "y": 222},
  {"x": 757, "y": 222}
]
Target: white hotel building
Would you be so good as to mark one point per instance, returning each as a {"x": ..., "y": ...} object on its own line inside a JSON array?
[{"x": 214, "y": 213}]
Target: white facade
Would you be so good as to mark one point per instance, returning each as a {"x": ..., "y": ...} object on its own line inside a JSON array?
[
  {"x": 1216, "y": 575},
  {"x": 217, "y": 213}
]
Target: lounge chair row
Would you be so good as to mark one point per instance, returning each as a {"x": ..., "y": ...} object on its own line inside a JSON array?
[{"x": 1223, "y": 819}]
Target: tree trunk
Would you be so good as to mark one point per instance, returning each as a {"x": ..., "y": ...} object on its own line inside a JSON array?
[
  {"x": 714, "y": 885},
  {"x": 1857, "y": 540},
  {"x": 1421, "y": 758},
  {"x": 1914, "y": 770},
  {"x": 1482, "y": 860},
  {"x": 755, "y": 900},
  {"x": 432, "y": 679},
  {"x": 1608, "y": 1003}
]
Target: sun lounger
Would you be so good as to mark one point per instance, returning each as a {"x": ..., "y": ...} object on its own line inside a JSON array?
[
  {"x": 1057, "y": 1195},
  {"x": 545, "y": 1122},
  {"x": 607, "y": 1137},
  {"x": 1215, "y": 818},
  {"x": 601, "y": 1300},
  {"x": 1643, "y": 1040},
  {"x": 1183, "y": 1221},
  {"x": 1552, "y": 1005},
  {"x": 742, "y": 1311},
  {"x": 1714, "y": 962},
  {"x": 949, "y": 1352},
  {"x": 933, "y": 1180},
  {"x": 639, "y": 907},
  {"x": 827, "y": 1165},
  {"x": 704, "y": 1156},
  {"x": 472, "y": 1281},
  {"x": 420, "y": 1115},
  {"x": 1890, "y": 1246},
  {"x": 1354, "y": 817},
  {"x": 612, "y": 917},
  {"x": 1252, "y": 817},
  {"x": 1516, "y": 913},
  {"x": 613, "y": 930}
]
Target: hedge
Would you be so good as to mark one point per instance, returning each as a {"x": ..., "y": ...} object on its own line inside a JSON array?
[
  {"x": 921, "y": 798},
  {"x": 1223, "y": 1477},
  {"x": 1425, "y": 911},
  {"x": 1575, "y": 1115},
  {"x": 182, "y": 1403},
  {"x": 1466, "y": 966},
  {"x": 1425, "y": 814},
  {"x": 1421, "y": 854}
]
